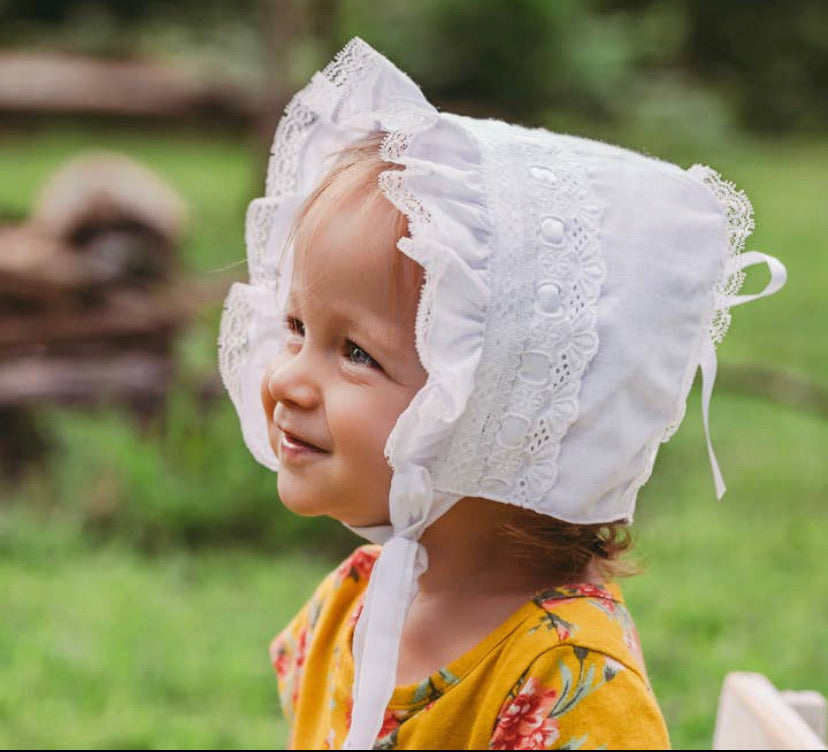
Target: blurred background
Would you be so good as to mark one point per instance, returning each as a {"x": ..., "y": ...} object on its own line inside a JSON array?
[{"x": 145, "y": 560}]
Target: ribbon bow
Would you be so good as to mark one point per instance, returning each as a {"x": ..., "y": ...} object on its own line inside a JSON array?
[{"x": 708, "y": 356}]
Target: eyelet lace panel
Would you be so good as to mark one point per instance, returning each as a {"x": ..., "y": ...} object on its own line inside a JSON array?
[{"x": 530, "y": 376}]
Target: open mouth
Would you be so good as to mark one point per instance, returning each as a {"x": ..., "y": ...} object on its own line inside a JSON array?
[{"x": 294, "y": 443}]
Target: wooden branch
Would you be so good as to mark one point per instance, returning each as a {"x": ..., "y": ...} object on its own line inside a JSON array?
[
  {"x": 124, "y": 314},
  {"x": 55, "y": 82},
  {"x": 778, "y": 385},
  {"x": 134, "y": 376},
  {"x": 35, "y": 265}
]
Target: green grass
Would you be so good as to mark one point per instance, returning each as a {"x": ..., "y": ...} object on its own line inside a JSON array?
[
  {"x": 741, "y": 583},
  {"x": 102, "y": 646},
  {"x": 107, "y": 649}
]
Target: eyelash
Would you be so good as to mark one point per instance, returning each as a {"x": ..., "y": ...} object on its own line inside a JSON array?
[
  {"x": 297, "y": 327},
  {"x": 352, "y": 348}
]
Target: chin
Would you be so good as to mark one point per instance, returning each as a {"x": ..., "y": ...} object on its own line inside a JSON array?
[
  {"x": 304, "y": 502},
  {"x": 365, "y": 522},
  {"x": 299, "y": 500}
]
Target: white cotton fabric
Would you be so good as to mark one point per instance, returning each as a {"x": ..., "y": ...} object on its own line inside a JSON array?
[{"x": 572, "y": 289}]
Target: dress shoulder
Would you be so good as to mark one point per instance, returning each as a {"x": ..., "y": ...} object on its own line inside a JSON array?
[
  {"x": 359, "y": 564},
  {"x": 590, "y": 616},
  {"x": 330, "y": 603},
  {"x": 576, "y": 698},
  {"x": 578, "y": 677}
]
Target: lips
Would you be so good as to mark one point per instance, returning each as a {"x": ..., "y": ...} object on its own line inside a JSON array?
[{"x": 297, "y": 441}]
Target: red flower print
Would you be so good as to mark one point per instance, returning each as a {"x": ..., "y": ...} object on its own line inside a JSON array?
[
  {"x": 301, "y": 648},
  {"x": 589, "y": 591},
  {"x": 523, "y": 721},
  {"x": 562, "y": 627},
  {"x": 358, "y": 565},
  {"x": 550, "y": 604},
  {"x": 390, "y": 723},
  {"x": 355, "y": 614},
  {"x": 550, "y": 599},
  {"x": 280, "y": 656},
  {"x": 299, "y": 661}
]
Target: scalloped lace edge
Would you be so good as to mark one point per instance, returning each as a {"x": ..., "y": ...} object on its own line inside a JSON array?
[{"x": 738, "y": 212}]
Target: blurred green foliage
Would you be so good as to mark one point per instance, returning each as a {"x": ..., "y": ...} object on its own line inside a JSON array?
[
  {"x": 107, "y": 649},
  {"x": 209, "y": 37},
  {"x": 186, "y": 480},
  {"x": 762, "y": 65}
]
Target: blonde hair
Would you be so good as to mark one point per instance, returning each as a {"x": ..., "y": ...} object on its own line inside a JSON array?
[{"x": 354, "y": 179}]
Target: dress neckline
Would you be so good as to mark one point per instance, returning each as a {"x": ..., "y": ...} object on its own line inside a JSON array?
[{"x": 414, "y": 696}]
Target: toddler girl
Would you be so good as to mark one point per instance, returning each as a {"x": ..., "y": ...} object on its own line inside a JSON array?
[{"x": 469, "y": 340}]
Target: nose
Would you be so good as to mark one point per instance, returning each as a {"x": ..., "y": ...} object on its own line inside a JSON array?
[{"x": 290, "y": 381}]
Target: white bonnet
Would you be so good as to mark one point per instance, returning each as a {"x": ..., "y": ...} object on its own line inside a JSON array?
[{"x": 572, "y": 291}]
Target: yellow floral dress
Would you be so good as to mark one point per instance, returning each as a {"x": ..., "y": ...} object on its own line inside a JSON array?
[{"x": 563, "y": 672}]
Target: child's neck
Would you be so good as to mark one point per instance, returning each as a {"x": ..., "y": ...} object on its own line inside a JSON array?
[
  {"x": 468, "y": 553},
  {"x": 474, "y": 582}
]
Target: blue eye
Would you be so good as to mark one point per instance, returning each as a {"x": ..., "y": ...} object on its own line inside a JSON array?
[{"x": 358, "y": 356}]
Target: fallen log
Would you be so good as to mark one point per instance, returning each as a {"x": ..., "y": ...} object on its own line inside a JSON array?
[
  {"x": 136, "y": 378},
  {"x": 33, "y": 82}
]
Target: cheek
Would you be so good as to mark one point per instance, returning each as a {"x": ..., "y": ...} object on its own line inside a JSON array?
[{"x": 366, "y": 421}]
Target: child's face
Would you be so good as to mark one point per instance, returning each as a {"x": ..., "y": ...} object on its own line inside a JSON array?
[{"x": 348, "y": 370}]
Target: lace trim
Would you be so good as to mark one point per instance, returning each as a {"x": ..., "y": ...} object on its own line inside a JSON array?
[
  {"x": 234, "y": 337},
  {"x": 328, "y": 90},
  {"x": 530, "y": 376},
  {"x": 282, "y": 168},
  {"x": 738, "y": 212},
  {"x": 261, "y": 266},
  {"x": 392, "y": 183},
  {"x": 349, "y": 67}
]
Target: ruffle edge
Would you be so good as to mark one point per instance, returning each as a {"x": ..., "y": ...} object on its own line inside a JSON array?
[{"x": 359, "y": 93}]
